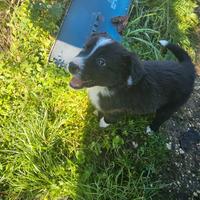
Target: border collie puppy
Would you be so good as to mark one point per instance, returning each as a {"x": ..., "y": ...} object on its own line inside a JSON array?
[{"x": 119, "y": 82}]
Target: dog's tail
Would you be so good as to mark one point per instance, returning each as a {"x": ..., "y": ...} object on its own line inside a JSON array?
[{"x": 180, "y": 54}]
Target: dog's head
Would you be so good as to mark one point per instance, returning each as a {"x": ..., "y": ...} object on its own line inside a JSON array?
[{"x": 104, "y": 62}]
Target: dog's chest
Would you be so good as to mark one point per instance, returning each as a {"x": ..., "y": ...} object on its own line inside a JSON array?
[{"x": 94, "y": 94}]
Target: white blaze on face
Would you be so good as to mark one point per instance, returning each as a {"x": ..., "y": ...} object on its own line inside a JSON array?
[
  {"x": 100, "y": 43},
  {"x": 80, "y": 61}
]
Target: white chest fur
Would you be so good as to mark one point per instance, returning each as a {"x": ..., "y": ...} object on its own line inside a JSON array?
[{"x": 94, "y": 93}]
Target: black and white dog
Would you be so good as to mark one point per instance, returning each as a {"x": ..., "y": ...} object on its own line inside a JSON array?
[{"x": 119, "y": 82}]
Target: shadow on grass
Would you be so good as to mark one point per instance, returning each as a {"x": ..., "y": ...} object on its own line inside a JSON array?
[{"x": 119, "y": 162}]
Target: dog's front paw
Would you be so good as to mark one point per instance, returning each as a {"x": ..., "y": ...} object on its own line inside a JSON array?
[
  {"x": 102, "y": 123},
  {"x": 149, "y": 131}
]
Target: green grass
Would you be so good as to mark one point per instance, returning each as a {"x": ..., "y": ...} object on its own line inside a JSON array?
[{"x": 50, "y": 142}]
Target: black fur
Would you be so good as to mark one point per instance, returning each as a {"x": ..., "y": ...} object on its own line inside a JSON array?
[{"x": 159, "y": 87}]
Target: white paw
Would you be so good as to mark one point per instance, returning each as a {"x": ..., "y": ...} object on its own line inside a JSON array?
[
  {"x": 164, "y": 42},
  {"x": 96, "y": 113},
  {"x": 102, "y": 123},
  {"x": 149, "y": 131}
]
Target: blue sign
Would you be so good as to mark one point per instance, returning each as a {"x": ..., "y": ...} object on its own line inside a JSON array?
[{"x": 82, "y": 19}]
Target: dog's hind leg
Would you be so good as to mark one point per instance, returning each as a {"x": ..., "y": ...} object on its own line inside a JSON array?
[{"x": 163, "y": 114}]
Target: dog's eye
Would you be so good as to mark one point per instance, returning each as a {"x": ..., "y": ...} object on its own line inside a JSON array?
[{"x": 101, "y": 62}]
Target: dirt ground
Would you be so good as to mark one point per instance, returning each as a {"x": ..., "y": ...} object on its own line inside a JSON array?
[{"x": 183, "y": 131}]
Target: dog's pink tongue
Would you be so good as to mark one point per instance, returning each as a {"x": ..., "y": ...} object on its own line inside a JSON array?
[{"x": 76, "y": 83}]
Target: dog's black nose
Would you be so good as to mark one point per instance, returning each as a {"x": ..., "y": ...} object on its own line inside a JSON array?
[{"x": 73, "y": 68}]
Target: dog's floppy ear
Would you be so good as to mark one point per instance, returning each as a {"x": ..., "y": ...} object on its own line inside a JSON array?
[{"x": 136, "y": 68}]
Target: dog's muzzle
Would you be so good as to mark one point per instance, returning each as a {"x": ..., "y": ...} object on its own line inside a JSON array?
[{"x": 75, "y": 82}]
